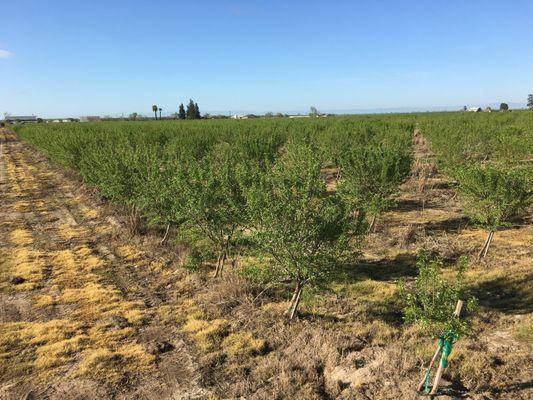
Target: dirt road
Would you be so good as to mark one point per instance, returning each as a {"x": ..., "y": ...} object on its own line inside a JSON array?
[{"x": 79, "y": 304}]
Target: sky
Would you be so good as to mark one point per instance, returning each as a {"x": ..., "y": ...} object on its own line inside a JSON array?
[{"x": 72, "y": 58}]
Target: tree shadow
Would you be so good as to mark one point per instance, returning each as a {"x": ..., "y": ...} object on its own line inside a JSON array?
[
  {"x": 408, "y": 205},
  {"x": 402, "y": 266},
  {"x": 506, "y": 294},
  {"x": 448, "y": 225},
  {"x": 514, "y": 387}
]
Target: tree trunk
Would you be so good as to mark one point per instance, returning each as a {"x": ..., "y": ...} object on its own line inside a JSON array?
[
  {"x": 483, "y": 252},
  {"x": 217, "y": 269},
  {"x": 372, "y": 224},
  {"x": 134, "y": 220},
  {"x": 491, "y": 235},
  {"x": 295, "y": 301},
  {"x": 166, "y": 234}
]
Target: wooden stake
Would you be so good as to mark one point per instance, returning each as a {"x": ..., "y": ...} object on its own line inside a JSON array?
[
  {"x": 423, "y": 381},
  {"x": 440, "y": 371}
]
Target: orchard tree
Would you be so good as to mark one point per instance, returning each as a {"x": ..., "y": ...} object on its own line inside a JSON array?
[
  {"x": 154, "y": 109},
  {"x": 491, "y": 196},
  {"x": 369, "y": 175},
  {"x": 296, "y": 221},
  {"x": 213, "y": 201},
  {"x": 162, "y": 198},
  {"x": 530, "y": 101},
  {"x": 181, "y": 112}
]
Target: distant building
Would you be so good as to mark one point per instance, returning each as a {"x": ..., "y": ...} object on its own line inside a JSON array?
[
  {"x": 12, "y": 119},
  {"x": 474, "y": 109},
  {"x": 90, "y": 118}
]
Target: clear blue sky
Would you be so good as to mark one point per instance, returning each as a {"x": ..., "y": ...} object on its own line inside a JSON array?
[{"x": 71, "y": 58}]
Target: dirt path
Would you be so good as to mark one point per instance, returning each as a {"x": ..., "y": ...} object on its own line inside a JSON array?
[{"x": 81, "y": 308}]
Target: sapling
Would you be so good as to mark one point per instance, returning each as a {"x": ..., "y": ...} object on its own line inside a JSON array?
[
  {"x": 371, "y": 174},
  {"x": 430, "y": 303},
  {"x": 296, "y": 221},
  {"x": 492, "y": 196}
]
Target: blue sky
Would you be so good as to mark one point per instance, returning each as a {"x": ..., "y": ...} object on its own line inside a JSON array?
[{"x": 71, "y": 58}]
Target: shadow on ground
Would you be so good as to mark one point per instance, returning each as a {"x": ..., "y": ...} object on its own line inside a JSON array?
[{"x": 506, "y": 294}]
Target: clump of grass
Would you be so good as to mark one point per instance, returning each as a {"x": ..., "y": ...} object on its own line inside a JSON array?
[
  {"x": 28, "y": 265},
  {"x": 524, "y": 330},
  {"x": 243, "y": 345},
  {"x": 207, "y": 334},
  {"x": 128, "y": 253},
  {"x": 21, "y": 237},
  {"x": 58, "y": 353},
  {"x": 114, "y": 364},
  {"x": 376, "y": 332}
]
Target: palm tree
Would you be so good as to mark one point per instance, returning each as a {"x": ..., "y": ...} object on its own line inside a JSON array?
[
  {"x": 154, "y": 109},
  {"x": 160, "y": 112}
]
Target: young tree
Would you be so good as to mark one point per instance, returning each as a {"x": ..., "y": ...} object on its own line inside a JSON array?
[
  {"x": 296, "y": 221},
  {"x": 369, "y": 175},
  {"x": 430, "y": 303},
  {"x": 133, "y": 116},
  {"x": 530, "y": 101},
  {"x": 162, "y": 198},
  {"x": 191, "y": 110},
  {"x": 154, "y": 109},
  {"x": 181, "y": 112},
  {"x": 213, "y": 200},
  {"x": 491, "y": 196},
  {"x": 314, "y": 112},
  {"x": 504, "y": 107},
  {"x": 197, "y": 114}
]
